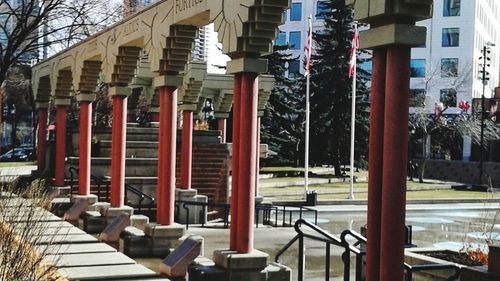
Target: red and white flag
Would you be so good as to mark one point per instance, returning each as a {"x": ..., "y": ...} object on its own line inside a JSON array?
[
  {"x": 354, "y": 49},
  {"x": 308, "y": 50}
]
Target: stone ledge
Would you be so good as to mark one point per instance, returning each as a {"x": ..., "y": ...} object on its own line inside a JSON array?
[
  {"x": 173, "y": 231},
  {"x": 233, "y": 260}
]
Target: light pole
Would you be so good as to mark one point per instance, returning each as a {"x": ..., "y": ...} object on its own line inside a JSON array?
[
  {"x": 13, "y": 127},
  {"x": 484, "y": 78}
]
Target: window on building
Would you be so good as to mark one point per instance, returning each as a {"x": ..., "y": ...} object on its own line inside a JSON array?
[
  {"x": 365, "y": 68},
  {"x": 281, "y": 40},
  {"x": 321, "y": 9},
  {"x": 417, "y": 68},
  {"x": 449, "y": 67},
  {"x": 294, "y": 40},
  {"x": 448, "y": 97},
  {"x": 294, "y": 69},
  {"x": 451, "y": 8},
  {"x": 417, "y": 97},
  {"x": 296, "y": 12},
  {"x": 451, "y": 37}
]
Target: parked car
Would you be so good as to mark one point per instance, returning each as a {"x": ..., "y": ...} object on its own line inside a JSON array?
[{"x": 18, "y": 155}]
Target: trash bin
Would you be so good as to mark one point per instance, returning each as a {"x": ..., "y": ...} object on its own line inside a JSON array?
[{"x": 311, "y": 198}]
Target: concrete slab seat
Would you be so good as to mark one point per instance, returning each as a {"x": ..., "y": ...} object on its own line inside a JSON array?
[{"x": 110, "y": 272}]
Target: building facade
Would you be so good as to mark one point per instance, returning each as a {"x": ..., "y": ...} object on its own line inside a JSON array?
[
  {"x": 294, "y": 30},
  {"x": 447, "y": 69}
]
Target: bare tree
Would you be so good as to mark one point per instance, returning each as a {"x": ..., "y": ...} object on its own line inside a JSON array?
[
  {"x": 27, "y": 27},
  {"x": 32, "y": 26}
]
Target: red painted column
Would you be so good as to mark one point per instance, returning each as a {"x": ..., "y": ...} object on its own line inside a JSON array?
[
  {"x": 257, "y": 159},
  {"x": 118, "y": 146},
  {"x": 187, "y": 149},
  {"x": 247, "y": 158},
  {"x": 85, "y": 139},
  {"x": 41, "y": 138},
  {"x": 221, "y": 126},
  {"x": 166, "y": 160},
  {"x": 60, "y": 144},
  {"x": 375, "y": 165},
  {"x": 395, "y": 160},
  {"x": 234, "y": 235}
]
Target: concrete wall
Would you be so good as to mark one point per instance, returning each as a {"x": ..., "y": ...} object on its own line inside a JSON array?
[{"x": 462, "y": 172}]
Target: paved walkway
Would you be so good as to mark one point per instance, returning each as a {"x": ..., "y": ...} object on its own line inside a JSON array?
[{"x": 76, "y": 254}]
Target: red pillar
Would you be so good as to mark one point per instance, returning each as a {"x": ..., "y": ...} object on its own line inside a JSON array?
[
  {"x": 257, "y": 159},
  {"x": 233, "y": 240},
  {"x": 60, "y": 144},
  {"x": 221, "y": 126},
  {"x": 247, "y": 158},
  {"x": 85, "y": 139},
  {"x": 118, "y": 147},
  {"x": 375, "y": 166},
  {"x": 395, "y": 160},
  {"x": 41, "y": 139},
  {"x": 166, "y": 160},
  {"x": 155, "y": 117},
  {"x": 187, "y": 149}
]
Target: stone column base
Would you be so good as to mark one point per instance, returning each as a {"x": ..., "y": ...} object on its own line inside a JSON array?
[
  {"x": 112, "y": 213},
  {"x": 230, "y": 265},
  {"x": 91, "y": 198},
  {"x": 195, "y": 212},
  {"x": 164, "y": 237}
]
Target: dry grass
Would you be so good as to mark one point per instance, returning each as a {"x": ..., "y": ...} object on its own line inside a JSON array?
[{"x": 21, "y": 228}]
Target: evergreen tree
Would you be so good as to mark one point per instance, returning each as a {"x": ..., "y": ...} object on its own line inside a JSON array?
[
  {"x": 331, "y": 92},
  {"x": 283, "y": 121}
]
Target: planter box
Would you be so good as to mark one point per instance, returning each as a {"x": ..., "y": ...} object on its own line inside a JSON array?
[
  {"x": 416, "y": 256},
  {"x": 494, "y": 260}
]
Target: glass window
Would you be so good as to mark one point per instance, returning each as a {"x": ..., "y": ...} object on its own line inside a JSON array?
[
  {"x": 281, "y": 40},
  {"x": 449, "y": 67},
  {"x": 451, "y": 8},
  {"x": 451, "y": 37},
  {"x": 417, "y": 68},
  {"x": 417, "y": 97},
  {"x": 448, "y": 97},
  {"x": 294, "y": 69},
  {"x": 366, "y": 66},
  {"x": 321, "y": 9},
  {"x": 294, "y": 40},
  {"x": 296, "y": 12}
]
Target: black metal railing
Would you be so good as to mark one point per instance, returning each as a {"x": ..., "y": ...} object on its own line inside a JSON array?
[
  {"x": 300, "y": 209},
  {"x": 323, "y": 236},
  {"x": 204, "y": 206},
  {"x": 103, "y": 181},
  {"x": 141, "y": 196},
  {"x": 355, "y": 245},
  {"x": 267, "y": 211},
  {"x": 73, "y": 174}
]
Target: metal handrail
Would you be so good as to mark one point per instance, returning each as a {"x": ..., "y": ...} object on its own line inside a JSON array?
[
  {"x": 301, "y": 211},
  {"x": 72, "y": 171},
  {"x": 356, "y": 248},
  {"x": 204, "y": 206},
  {"x": 141, "y": 195},
  {"x": 324, "y": 236}
]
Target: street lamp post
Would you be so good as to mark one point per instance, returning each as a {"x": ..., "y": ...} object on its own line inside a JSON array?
[
  {"x": 484, "y": 78},
  {"x": 13, "y": 129}
]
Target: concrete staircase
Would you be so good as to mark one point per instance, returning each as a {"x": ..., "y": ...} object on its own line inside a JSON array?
[{"x": 211, "y": 162}]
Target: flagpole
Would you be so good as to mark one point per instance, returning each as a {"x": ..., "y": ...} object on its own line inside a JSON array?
[
  {"x": 306, "y": 149},
  {"x": 353, "y": 120}
]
